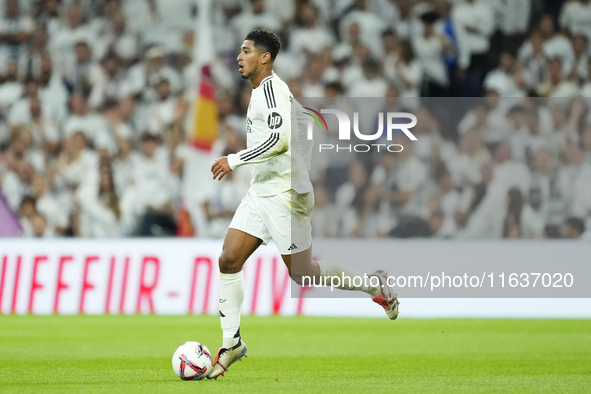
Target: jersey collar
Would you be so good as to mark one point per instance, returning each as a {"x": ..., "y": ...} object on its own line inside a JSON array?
[{"x": 267, "y": 78}]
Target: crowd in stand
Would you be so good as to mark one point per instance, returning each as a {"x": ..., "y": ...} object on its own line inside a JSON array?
[{"x": 95, "y": 112}]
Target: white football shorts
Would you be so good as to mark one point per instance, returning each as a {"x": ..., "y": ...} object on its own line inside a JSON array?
[{"x": 284, "y": 218}]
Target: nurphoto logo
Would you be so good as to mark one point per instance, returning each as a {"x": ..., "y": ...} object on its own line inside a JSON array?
[{"x": 391, "y": 120}]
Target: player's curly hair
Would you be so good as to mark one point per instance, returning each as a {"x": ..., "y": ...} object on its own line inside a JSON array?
[{"x": 265, "y": 40}]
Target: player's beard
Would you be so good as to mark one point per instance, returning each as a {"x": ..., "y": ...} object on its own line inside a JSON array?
[{"x": 251, "y": 74}]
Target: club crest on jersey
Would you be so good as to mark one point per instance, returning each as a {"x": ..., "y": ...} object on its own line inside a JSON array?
[
  {"x": 274, "y": 121},
  {"x": 248, "y": 124}
]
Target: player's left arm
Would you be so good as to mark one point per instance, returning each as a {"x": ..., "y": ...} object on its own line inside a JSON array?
[{"x": 277, "y": 114}]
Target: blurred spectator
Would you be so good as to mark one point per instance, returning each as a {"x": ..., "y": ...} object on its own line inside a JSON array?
[
  {"x": 507, "y": 171},
  {"x": 503, "y": 215},
  {"x": 93, "y": 126},
  {"x": 546, "y": 194},
  {"x": 324, "y": 215},
  {"x": 580, "y": 70},
  {"x": 370, "y": 26},
  {"x": 27, "y": 212},
  {"x": 507, "y": 79},
  {"x": 576, "y": 180},
  {"x": 310, "y": 37},
  {"x": 430, "y": 48},
  {"x": 371, "y": 82},
  {"x": 161, "y": 113},
  {"x": 99, "y": 208},
  {"x": 533, "y": 60},
  {"x": 575, "y": 17},
  {"x": 473, "y": 26},
  {"x": 573, "y": 228},
  {"x": 108, "y": 84},
  {"x": 465, "y": 167},
  {"x": 407, "y": 73},
  {"x": 16, "y": 183},
  {"x": 10, "y": 88},
  {"x": 408, "y": 177},
  {"x": 37, "y": 115},
  {"x": 71, "y": 30},
  {"x": 76, "y": 164},
  {"x": 555, "y": 85},
  {"x": 81, "y": 73},
  {"x": 57, "y": 218},
  {"x": 556, "y": 45},
  {"x": 349, "y": 201},
  {"x": 252, "y": 17},
  {"x": 143, "y": 77},
  {"x": 15, "y": 28},
  {"x": 149, "y": 201}
]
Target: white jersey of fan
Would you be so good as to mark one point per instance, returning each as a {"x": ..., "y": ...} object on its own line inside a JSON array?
[{"x": 276, "y": 140}]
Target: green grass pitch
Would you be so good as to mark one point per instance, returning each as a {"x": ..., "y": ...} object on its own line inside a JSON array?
[{"x": 129, "y": 354}]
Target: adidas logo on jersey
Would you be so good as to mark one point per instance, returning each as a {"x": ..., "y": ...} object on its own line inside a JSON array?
[{"x": 292, "y": 247}]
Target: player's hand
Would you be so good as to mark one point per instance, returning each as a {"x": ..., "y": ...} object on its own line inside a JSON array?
[{"x": 220, "y": 168}]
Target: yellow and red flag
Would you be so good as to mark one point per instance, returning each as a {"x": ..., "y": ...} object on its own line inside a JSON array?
[{"x": 204, "y": 131}]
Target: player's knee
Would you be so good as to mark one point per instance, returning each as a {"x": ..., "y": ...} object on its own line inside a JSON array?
[{"x": 229, "y": 263}]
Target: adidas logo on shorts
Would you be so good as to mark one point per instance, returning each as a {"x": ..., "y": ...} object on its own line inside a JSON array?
[{"x": 292, "y": 247}]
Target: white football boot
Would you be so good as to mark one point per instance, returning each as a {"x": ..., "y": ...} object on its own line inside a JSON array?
[
  {"x": 226, "y": 357},
  {"x": 387, "y": 297}
]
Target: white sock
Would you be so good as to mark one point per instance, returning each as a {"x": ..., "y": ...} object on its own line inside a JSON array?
[
  {"x": 231, "y": 298},
  {"x": 333, "y": 269}
]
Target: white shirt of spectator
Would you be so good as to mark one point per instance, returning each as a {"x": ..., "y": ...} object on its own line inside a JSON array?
[
  {"x": 370, "y": 26},
  {"x": 488, "y": 219},
  {"x": 430, "y": 53},
  {"x": 20, "y": 114},
  {"x": 246, "y": 21},
  {"x": 576, "y": 17},
  {"x": 477, "y": 15},
  {"x": 313, "y": 40}
]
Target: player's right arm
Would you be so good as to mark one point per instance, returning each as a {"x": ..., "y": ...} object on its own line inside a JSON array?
[{"x": 277, "y": 143}]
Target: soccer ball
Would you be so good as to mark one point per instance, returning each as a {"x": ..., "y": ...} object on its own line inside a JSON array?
[{"x": 192, "y": 361}]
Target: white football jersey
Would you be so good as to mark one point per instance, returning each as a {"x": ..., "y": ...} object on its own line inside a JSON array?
[{"x": 276, "y": 141}]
